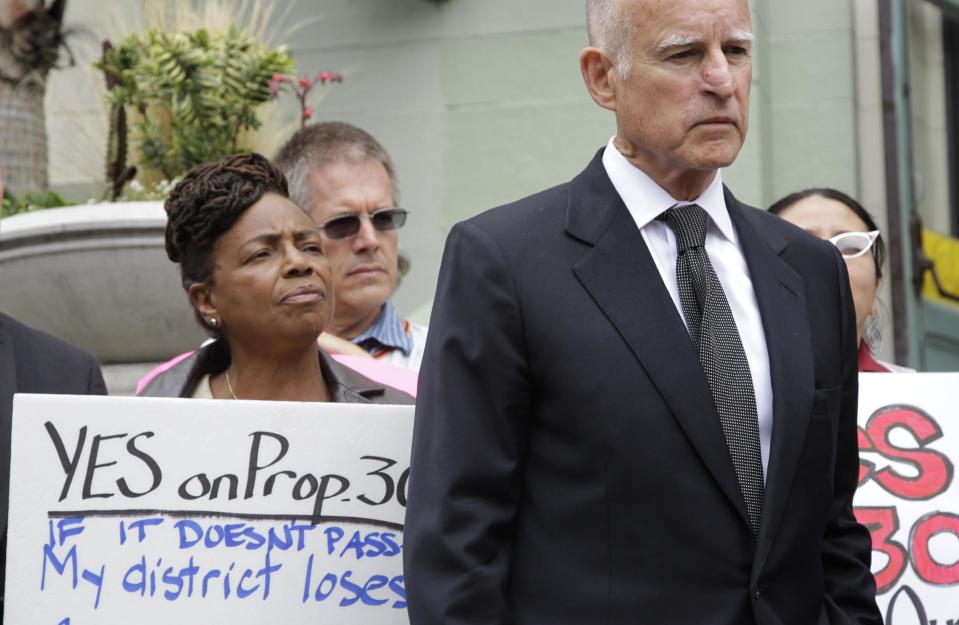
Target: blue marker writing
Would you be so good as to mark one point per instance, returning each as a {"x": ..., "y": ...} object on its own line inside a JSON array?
[
  {"x": 97, "y": 580},
  {"x": 140, "y": 526}
]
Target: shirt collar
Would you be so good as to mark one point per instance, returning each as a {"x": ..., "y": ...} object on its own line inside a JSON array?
[
  {"x": 387, "y": 331},
  {"x": 646, "y": 200}
]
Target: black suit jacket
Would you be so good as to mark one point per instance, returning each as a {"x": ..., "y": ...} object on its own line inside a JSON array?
[
  {"x": 569, "y": 465},
  {"x": 34, "y": 362}
]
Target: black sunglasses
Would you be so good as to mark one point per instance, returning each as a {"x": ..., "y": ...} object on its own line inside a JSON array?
[{"x": 346, "y": 226}]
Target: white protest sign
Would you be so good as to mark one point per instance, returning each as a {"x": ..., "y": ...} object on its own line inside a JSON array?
[
  {"x": 908, "y": 496},
  {"x": 135, "y": 510}
]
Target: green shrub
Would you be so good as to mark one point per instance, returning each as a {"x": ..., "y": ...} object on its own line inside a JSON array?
[
  {"x": 190, "y": 96},
  {"x": 31, "y": 202}
]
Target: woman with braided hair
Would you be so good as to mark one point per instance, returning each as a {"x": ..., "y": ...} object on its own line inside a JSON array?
[{"x": 253, "y": 267}]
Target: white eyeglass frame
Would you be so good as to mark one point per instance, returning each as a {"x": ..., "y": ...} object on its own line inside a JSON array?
[{"x": 872, "y": 235}]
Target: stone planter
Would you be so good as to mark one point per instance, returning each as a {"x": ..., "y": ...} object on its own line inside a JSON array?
[{"x": 97, "y": 276}]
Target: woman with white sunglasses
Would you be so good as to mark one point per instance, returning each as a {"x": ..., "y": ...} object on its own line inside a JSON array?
[{"x": 832, "y": 215}]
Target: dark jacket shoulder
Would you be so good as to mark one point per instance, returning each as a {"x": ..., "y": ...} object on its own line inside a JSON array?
[
  {"x": 544, "y": 206},
  {"x": 46, "y": 364}
]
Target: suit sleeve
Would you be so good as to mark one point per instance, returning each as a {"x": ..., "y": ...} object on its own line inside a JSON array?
[
  {"x": 469, "y": 437},
  {"x": 847, "y": 546}
]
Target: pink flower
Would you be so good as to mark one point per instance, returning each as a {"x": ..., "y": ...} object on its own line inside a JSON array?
[
  {"x": 307, "y": 112},
  {"x": 323, "y": 77},
  {"x": 304, "y": 81}
]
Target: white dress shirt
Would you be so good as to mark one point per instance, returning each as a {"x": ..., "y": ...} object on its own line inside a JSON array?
[{"x": 646, "y": 200}]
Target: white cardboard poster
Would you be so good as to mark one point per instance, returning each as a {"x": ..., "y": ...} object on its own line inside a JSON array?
[
  {"x": 189, "y": 511},
  {"x": 135, "y": 510},
  {"x": 908, "y": 496}
]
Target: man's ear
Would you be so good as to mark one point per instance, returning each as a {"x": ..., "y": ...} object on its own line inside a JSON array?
[
  {"x": 599, "y": 75},
  {"x": 201, "y": 296}
]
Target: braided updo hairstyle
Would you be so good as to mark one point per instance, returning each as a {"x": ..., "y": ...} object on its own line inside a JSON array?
[{"x": 207, "y": 202}]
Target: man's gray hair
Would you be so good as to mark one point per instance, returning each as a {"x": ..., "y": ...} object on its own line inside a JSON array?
[
  {"x": 609, "y": 29},
  {"x": 324, "y": 143}
]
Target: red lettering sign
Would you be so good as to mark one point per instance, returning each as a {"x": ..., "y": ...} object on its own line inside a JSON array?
[
  {"x": 927, "y": 568},
  {"x": 866, "y": 468},
  {"x": 934, "y": 469},
  {"x": 882, "y": 523}
]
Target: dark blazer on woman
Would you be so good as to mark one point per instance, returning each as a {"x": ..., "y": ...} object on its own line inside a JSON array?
[{"x": 344, "y": 384}]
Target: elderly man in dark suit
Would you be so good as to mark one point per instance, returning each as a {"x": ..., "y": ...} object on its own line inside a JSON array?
[
  {"x": 34, "y": 362},
  {"x": 638, "y": 399}
]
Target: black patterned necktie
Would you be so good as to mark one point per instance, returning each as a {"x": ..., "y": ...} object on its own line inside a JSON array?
[{"x": 713, "y": 329}]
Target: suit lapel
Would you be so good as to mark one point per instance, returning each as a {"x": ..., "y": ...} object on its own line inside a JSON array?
[
  {"x": 621, "y": 277},
  {"x": 782, "y": 305}
]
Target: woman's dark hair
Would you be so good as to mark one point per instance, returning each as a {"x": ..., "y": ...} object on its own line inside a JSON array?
[
  {"x": 878, "y": 248},
  {"x": 207, "y": 202}
]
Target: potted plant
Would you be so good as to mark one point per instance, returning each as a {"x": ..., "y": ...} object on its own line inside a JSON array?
[
  {"x": 176, "y": 99},
  {"x": 192, "y": 97}
]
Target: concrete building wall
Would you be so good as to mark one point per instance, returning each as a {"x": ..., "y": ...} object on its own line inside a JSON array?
[
  {"x": 478, "y": 101},
  {"x": 481, "y": 102},
  {"x": 928, "y": 100},
  {"x": 870, "y": 146},
  {"x": 805, "y": 93}
]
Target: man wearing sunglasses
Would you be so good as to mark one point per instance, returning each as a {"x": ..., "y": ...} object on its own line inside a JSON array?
[{"x": 346, "y": 181}]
